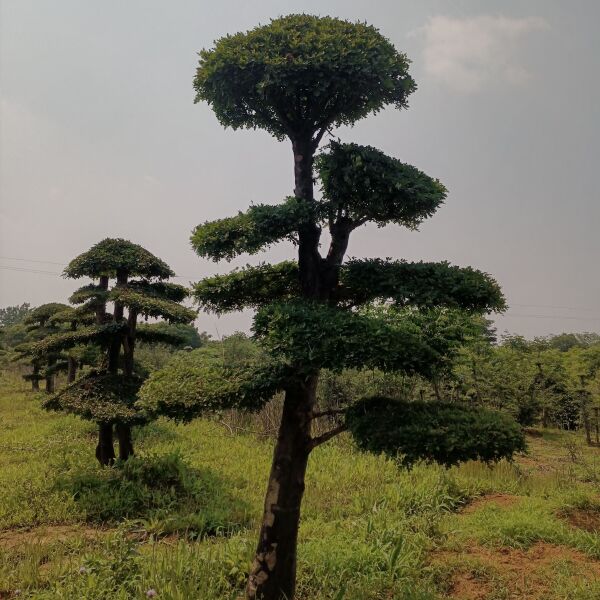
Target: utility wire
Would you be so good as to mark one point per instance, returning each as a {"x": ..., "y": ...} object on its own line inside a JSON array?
[
  {"x": 38, "y": 271},
  {"x": 50, "y": 262}
]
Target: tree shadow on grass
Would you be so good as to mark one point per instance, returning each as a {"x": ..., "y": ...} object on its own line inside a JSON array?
[{"x": 161, "y": 494}]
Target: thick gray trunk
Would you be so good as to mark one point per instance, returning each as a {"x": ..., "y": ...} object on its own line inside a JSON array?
[{"x": 273, "y": 572}]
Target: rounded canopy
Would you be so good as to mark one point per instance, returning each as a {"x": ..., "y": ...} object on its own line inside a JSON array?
[
  {"x": 301, "y": 73},
  {"x": 117, "y": 255},
  {"x": 42, "y": 313}
]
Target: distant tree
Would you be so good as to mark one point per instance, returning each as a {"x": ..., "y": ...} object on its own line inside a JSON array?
[
  {"x": 107, "y": 395},
  {"x": 566, "y": 341},
  {"x": 187, "y": 335},
  {"x": 11, "y": 315},
  {"x": 297, "y": 78},
  {"x": 40, "y": 324}
]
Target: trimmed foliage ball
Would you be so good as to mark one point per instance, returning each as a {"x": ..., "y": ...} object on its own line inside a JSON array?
[{"x": 441, "y": 432}]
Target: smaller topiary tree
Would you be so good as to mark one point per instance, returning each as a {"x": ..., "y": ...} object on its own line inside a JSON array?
[
  {"x": 41, "y": 324},
  {"x": 107, "y": 395},
  {"x": 73, "y": 318}
]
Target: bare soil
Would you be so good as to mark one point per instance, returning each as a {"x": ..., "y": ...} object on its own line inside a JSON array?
[{"x": 478, "y": 571}]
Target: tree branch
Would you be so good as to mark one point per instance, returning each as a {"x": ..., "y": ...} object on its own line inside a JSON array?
[
  {"x": 327, "y": 436},
  {"x": 327, "y": 413}
]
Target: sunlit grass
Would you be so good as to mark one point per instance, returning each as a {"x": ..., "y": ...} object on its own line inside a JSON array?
[{"x": 183, "y": 520}]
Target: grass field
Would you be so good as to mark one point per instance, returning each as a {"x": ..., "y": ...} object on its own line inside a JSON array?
[{"x": 181, "y": 518}]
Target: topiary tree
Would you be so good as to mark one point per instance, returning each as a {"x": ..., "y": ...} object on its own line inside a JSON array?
[
  {"x": 40, "y": 323},
  {"x": 298, "y": 77},
  {"x": 107, "y": 395}
]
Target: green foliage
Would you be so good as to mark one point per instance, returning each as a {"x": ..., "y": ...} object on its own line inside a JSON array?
[
  {"x": 312, "y": 336},
  {"x": 82, "y": 315},
  {"x": 248, "y": 287},
  {"x": 174, "y": 334},
  {"x": 12, "y": 315},
  {"x": 100, "y": 397},
  {"x": 152, "y": 306},
  {"x": 362, "y": 184},
  {"x": 446, "y": 433},
  {"x": 251, "y": 231},
  {"x": 567, "y": 341},
  {"x": 160, "y": 289},
  {"x": 96, "y": 334},
  {"x": 300, "y": 74},
  {"x": 160, "y": 489},
  {"x": 112, "y": 255},
  {"x": 89, "y": 293},
  {"x": 40, "y": 315},
  {"x": 13, "y": 335},
  {"x": 419, "y": 284},
  {"x": 198, "y": 382}
]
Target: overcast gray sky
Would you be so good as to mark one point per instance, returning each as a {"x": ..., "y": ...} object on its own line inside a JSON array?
[{"x": 100, "y": 137}]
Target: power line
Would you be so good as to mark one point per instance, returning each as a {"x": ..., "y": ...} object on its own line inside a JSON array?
[
  {"x": 50, "y": 262},
  {"x": 27, "y": 270},
  {"x": 550, "y": 317},
  {"x": 551, "y": 306}
]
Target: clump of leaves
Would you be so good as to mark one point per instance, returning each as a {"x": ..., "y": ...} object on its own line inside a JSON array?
[
  {"x": 163, "y": 491},
  {"x": 442, "y": 432}
]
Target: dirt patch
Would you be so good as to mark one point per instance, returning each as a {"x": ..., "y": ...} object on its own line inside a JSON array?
[
  {"x": 47, "y": 534},
  {"x": 467, "y": 586},
  {"x": 582, "y": 519},
  {"x": 499, "y": 500},
  {"x": 523, "y": 573}
]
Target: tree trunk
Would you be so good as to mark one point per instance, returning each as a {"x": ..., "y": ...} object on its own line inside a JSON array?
[
  {"x": 72, "y": 372},
  {"x": 101, "y": 308},
  {"x": 35, "y": 382},
  {"x": 115, "y": 347},
  {"x": 50, "y": 384},
  {"x": 105, "y": 452},
  {"x": 273, "y": 572},
  {"x": 309, "y": 259},
  {"x": 123, "y": 429},
  {"x": 125, "y": 441}
]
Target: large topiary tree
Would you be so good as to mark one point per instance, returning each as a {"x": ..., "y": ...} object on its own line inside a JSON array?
[
  {"x": 297, "y": 78},
  {"x": 107, "y": 395}
]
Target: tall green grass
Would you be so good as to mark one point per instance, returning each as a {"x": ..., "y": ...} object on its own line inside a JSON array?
[{"x": 182, "y": 517}]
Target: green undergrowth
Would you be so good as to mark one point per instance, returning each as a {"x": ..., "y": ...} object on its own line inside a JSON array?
[{"x": 182, "y": 517}]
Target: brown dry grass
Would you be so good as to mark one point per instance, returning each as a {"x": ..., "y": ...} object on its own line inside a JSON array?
[
  {"x": 499, "y": 500},
  {"x": 478, "y": 572},
  {"x": 46, "y": 535}
]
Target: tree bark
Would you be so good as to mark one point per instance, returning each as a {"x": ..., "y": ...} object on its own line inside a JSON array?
[
  {"x": 50, "y": 379},
  {"x": 35, "y": 382},
  {"x": 124, "y": 430},
  {"x": 101, "y": 308},
  {"x": 309, "y": 259},
  {"x": 72, "y": 371},
  {"x": 273, "y": 572},
  {"x": 105, "y": 452},
  {"x": 125, "y": 440}
]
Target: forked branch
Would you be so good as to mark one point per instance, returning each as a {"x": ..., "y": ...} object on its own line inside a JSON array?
[{"x": 327, "y": 436}]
